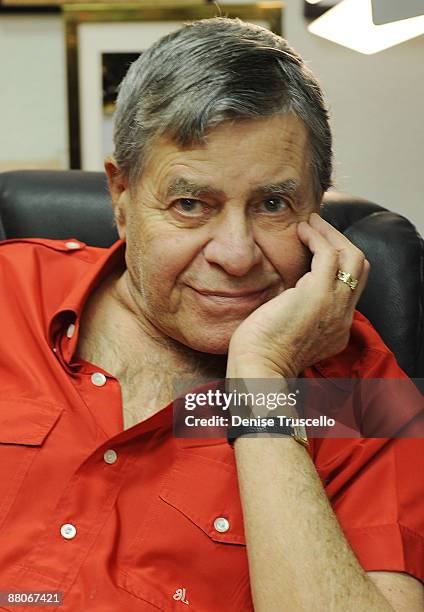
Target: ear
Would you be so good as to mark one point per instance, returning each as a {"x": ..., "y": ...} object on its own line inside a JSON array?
[{"x": 119, "y": 192}]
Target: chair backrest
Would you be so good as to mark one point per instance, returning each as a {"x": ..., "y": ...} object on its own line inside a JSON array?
[{"x": 76, "y": 204}]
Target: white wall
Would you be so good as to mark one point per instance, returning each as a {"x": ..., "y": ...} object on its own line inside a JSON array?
[
  {"x": 377, "y": 107},
  {"x": 377, "y": 110},
  {"x": 33, "y": 124}
]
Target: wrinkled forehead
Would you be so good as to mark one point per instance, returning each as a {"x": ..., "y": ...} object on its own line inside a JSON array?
[{"x": 258, "y": 151}]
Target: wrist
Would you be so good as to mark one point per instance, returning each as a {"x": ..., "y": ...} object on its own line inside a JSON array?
[
  {"x": 245, "y": 361},
  {"x": 262, "y": 407},
  {"x": 277, "y": 430},
  {"x": 250, "y": 366}
]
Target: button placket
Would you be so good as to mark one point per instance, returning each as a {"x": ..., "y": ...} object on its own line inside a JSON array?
[{"x": 64, "y": 560}]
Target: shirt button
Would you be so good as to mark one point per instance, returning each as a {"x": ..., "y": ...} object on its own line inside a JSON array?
[
  {"x": 110, "y": 456},
  {"x": 70, "y": 330},
  {"x": 98, "y": 379},
  {"x": 221, "y": 524},
  {"x": 72, "y": 245},
  {"x": 68, "y": 531}
]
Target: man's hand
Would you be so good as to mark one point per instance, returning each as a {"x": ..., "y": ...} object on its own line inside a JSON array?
[{"x": 311, "y": 321}]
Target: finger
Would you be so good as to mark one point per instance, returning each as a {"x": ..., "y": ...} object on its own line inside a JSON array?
[
  {"x": 334, "y": 237},
  {"x": 325, "y": 258},
  {"x": 351, "y": 259},
  {"x": 332, "y": 252},
  {"x": 362, "y": 282}
]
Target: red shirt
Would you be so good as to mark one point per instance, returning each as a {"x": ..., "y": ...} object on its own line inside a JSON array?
[{"x": 124, "y": 520}]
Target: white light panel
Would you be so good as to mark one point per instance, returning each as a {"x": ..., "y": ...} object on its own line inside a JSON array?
[{"x": 350, "y": 24}]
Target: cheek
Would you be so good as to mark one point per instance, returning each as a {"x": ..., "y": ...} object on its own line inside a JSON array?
[
  {"x": 290, "y": 257},
  {"x": 157, "y": 263}
]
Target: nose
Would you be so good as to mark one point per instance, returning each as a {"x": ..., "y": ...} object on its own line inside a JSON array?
[{"x": 232, "y": 245}]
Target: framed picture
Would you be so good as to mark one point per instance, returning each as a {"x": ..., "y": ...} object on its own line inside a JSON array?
[{"x": 103, "y": 40}]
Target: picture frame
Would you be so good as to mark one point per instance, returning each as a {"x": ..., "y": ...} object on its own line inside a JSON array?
[{"x": 94, "y": 32}]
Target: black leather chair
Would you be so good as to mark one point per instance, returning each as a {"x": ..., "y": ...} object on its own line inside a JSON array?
[{"x": 65, "y": 204}]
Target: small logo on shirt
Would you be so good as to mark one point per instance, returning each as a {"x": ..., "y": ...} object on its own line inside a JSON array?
[{"x": 179, "y": 595}]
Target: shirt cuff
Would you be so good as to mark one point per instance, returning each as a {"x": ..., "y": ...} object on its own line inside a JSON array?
[{"x": 391, "y": 548}]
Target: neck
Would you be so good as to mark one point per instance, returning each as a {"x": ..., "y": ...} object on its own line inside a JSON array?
[{"x": 116, "y": 335}]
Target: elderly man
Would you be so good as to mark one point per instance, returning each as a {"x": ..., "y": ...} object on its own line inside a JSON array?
[{"x": 224, "y": 270}]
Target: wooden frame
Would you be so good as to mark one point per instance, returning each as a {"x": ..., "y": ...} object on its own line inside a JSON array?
[{"x": 121, "y": 19}]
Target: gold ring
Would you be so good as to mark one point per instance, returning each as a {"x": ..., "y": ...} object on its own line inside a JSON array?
[{"x": 347, "y": 278}]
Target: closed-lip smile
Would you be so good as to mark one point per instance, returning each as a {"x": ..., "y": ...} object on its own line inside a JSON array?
[
  {"x": 232, "y": 294},
  {"x": 219, "y": 302}
]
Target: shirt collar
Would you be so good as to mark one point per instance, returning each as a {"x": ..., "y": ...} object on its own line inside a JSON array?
[{"x": 65, "y": 321}]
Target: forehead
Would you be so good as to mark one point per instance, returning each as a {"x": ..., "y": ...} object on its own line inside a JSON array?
[{"x": 250, "y": 153}]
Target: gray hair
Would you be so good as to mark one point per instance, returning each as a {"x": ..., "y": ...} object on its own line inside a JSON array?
[{"x": 211, "y": 71}]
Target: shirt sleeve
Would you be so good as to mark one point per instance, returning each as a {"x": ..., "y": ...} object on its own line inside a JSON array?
[{"x": 376, "y": 487}]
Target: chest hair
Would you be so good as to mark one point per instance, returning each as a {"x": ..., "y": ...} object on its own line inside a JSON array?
[{"x": 154, "y": 377}]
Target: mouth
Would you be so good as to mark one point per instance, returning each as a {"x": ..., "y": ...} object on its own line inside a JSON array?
[
  {"x": 220, "y": 301},
  {"x": 232, "y": 294}
]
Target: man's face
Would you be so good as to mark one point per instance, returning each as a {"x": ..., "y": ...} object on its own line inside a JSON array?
[{"x": 211, "y": 234}]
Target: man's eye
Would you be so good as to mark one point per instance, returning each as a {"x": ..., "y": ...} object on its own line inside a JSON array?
[
  {"x": 187, "y": 206},
  {"x": 274, "y": 205}
]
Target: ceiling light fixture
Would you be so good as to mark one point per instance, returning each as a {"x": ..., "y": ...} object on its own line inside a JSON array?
[{"x": 350, "y": 23}]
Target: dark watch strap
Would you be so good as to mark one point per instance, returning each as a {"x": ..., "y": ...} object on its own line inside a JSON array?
[{"x": 234, "y": 432}]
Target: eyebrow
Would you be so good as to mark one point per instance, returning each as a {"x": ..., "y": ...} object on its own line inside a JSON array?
[{"x": 183, "y": 187}]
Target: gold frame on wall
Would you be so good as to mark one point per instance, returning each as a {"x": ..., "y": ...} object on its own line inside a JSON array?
[{"x": 184, "y": 10}]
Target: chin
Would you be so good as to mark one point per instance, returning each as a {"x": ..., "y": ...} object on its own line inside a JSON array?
[
  {"x": 212, "y": 342},
  {"x": 212, "y": 347}
]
